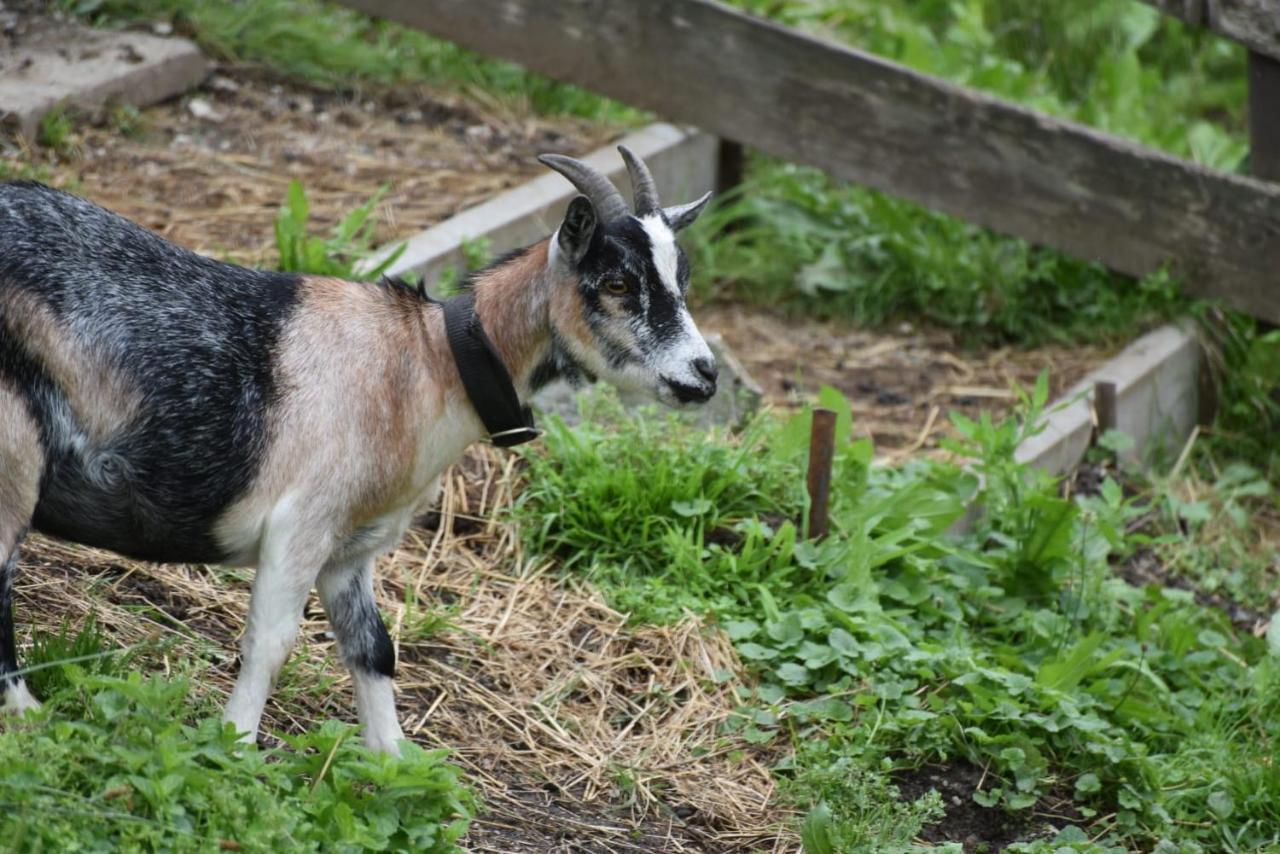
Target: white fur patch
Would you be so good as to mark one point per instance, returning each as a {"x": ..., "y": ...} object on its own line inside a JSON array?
[
  {"x": 666, "y": 257},
  {"x": 17, "y": 699},
  {"x": 376, "y": 707}
]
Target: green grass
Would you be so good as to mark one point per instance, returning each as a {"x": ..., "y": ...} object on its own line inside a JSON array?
[
  {"x": 1013, "y": 647},
  {"x": 793, "y": 237},
  {"x": 337, "y": 255},
  {"x": 56, "y": 131},
  {"x": 325, "y": 45},
  {"x": 115, "y": 762}
]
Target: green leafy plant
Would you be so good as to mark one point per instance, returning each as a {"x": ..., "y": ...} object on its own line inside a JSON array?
[
  {"x": 112, "y": 765},
  {"x": 56, "y": 131},
  {"x": 1012, "y": 646},
  {"x": 336, "y": 255},
  {"x": 857, "y": 809}
]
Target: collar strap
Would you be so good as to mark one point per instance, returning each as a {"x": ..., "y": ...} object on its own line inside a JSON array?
[{"x": 485, "y": 377}]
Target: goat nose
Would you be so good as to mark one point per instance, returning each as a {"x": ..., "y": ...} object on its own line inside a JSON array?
[{"x": 707, "y": 369}]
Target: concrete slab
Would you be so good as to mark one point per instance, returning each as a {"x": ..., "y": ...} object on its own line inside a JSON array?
[{"x": 83, "y": 67}]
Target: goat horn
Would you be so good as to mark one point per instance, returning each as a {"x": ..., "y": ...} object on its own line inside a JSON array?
[
  {"x": 608, "y": 202},
  {"x": 642, "y": 184}
]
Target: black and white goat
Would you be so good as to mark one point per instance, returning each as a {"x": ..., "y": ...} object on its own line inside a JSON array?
[{"x": 170, "y": 407}]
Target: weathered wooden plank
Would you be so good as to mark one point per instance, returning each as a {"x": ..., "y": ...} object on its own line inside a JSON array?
[
  {"x": 871, "y": 121},
  {"x": 1264, "y": 117},
  {"x": 1254, "y": 23}
]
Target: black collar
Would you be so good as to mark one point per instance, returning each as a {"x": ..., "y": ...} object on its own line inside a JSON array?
[{"x": 485, "y": 377}]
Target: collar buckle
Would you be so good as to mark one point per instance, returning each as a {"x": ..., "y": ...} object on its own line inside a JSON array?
[{"x": 514, "y": 436}]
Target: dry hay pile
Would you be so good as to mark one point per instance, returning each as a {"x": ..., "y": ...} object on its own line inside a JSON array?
[{"x": 580, "y": 732}]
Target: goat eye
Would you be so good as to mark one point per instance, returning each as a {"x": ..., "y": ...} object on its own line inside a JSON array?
[{"x": 617, "y": 287}]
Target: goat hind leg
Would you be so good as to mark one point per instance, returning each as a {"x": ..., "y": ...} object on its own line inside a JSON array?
[
  {"x": 21, "y": 463},
  {"x": 17, "y": 699},
  {"x": 346, "y": 589}
]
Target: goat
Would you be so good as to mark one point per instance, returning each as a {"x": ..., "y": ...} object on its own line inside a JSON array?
[{"x": 170, "y": 407}]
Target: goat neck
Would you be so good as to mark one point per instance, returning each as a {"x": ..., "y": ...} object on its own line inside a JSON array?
[{"x": 513, "y": 302}]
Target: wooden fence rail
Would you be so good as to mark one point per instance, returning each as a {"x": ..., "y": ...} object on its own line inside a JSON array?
[{"x": 868, "y": 120}]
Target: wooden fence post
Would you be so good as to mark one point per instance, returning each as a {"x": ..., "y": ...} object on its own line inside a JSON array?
[
  {"x": 732, "y": 167},
  {"x": 1264, "y": 116}
]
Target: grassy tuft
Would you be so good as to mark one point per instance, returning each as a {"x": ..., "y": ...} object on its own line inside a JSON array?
[{"x": 337, "y": 255}]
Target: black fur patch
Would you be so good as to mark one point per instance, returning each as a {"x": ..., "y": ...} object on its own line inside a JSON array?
[
  {"x": 625, "y": 249},
  {"x": 362, "y": 636},
  {"x": 196, "y": 337},
  {"x": 559, "y": 364}
]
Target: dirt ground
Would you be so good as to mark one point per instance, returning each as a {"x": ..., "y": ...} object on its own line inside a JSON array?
[
  {"x": 901, "y": 384},
  {"x": 211, "y": 170}
]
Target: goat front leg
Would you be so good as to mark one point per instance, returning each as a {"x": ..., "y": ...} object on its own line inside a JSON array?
[
  {"x": 346, "y": 589},
  {"x": 284, "y": 579}
]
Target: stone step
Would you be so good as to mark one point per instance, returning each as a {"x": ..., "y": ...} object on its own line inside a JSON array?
[{"x": 54, "y": 62}]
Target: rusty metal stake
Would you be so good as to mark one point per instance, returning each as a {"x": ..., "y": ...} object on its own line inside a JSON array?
[{"x": 822, "y": 440}]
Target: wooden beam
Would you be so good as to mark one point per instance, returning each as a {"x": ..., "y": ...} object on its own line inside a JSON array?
[
  {"x": 871, "y": 121},
  {"x": 1264, "y": 117},
  {"x": 1253, "y": 23}
]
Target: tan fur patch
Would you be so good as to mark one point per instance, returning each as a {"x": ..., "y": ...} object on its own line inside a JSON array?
[
  {"x": 512, "y": 303},
  {"x": 21, "y": 463},
  {"x": 569, "y": 316},
  {"x": 101, "y": 397},
  {"x": 355, "y": 372}
]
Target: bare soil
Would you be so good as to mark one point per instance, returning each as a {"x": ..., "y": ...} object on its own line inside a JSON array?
[
  {"x": 901, "y": 383},
  {"x": 981, "y": 829}
]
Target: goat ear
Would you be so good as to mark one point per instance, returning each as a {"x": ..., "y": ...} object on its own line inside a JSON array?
[
  {"x": 681, "y": 216},
  {"x": 574, "y": 234}
]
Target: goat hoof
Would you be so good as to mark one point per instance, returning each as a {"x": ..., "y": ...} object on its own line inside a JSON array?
[{"x": 18, "y": 700}]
